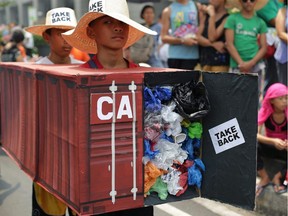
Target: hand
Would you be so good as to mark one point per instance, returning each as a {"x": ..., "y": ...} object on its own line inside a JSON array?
[
  {"x": 202, "y": 7},
  {"x": 280, "y": 144},
  {"x": 201, "y": 11},
  {"x": 219, "y": 46},
  {"x": 245, "y": 66},
  {"x": 210, "y": 10},
  {"x": 190, "y": 41}
]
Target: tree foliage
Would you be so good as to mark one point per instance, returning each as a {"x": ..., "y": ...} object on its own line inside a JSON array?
[{"x": 5, "y": 4}]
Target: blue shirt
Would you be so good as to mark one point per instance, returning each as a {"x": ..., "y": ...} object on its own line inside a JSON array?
[{"x": 184, "y": 23}]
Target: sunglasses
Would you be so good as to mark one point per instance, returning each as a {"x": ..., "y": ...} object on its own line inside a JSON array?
[{"x": 245, "y": 1}]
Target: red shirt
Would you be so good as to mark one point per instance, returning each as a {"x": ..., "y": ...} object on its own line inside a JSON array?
[{"x": 100, "y": 66}]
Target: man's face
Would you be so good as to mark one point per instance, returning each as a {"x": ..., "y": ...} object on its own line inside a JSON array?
[
  {"x": 248, "y": 5},
  {"x": 108, "y": 32},
  {"x": 57, "y": 43}
]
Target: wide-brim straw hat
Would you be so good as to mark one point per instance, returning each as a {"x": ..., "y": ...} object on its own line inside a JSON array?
[
  {"x": 236, "y": 4},
  {"x": 78, "y": 37},
  {"x": 59, "y": 18}
]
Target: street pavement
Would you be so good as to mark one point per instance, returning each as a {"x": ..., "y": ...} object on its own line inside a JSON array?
[{"x": 16, "y": 193}]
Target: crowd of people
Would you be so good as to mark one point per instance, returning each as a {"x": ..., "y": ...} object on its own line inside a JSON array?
[{"x": 236, "y": 36}]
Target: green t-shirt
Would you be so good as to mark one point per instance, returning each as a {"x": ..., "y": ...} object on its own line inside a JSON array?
[
  {"x": 270, "y": 10},
  {"x": 245, "y": 35}
]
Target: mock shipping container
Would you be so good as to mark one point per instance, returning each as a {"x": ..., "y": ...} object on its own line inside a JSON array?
[{"x": 89, "y": 129}]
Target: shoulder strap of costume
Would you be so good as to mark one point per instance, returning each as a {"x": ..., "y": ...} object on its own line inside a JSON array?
[{"x": 92, "y": 64}]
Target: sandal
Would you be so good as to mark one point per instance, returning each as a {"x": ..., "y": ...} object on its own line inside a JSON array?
[
  {"x": 259, "y": 189},
  {"x": 279, "y": 189}
]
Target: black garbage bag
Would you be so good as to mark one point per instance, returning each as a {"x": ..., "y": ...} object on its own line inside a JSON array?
[{"x": 191, "y": 100}]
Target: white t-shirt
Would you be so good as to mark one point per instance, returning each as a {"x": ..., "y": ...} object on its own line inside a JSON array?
[
  {"x": 46, "y": 60},
  {"x": 29, "y": 40}
]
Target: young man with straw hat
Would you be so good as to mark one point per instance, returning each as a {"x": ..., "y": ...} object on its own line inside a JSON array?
[
  {"x": 117, "y": 32},
  {"x": 105, "y": 31},
  {"x": 58, "y": 20},
  {"x": 242, "y": 30}
]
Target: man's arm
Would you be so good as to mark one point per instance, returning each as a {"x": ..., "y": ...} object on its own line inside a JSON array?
[
  {"x": 280, "y": 25},
  {"x": 229, "y": 34},
  {"x": 262, "y": 51}
]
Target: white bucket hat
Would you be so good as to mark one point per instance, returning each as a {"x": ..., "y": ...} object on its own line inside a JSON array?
[
  {"x": 78, "y": 37},
  {"x": 60, "y": 18}
]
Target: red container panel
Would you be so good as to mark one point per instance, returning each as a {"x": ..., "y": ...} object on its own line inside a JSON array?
[
  {"x": 75, "y": 153},
  {"x": 19, "y": 115}
]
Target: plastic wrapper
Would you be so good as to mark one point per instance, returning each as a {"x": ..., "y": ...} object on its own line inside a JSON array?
[
  {"x": 195, "y": 130},
  {"x": 172, "y": 180},
  {"x": 168, "y": 153},
  {"x": 153, "y": 126},
  {"x": 153, "y": 120},
  {"x": 172, "y": 119},
  {"x": 166, "y": 137},
  {"x": 152, "y": 133},
  {"x": 148, "y": 150},
  {"x": 161, "y": 188},
  {"x": 188, "y": 147},
  {"x": 191, "y": 100},
  {"x": 154, "y": 97},
  {"x": 173, "y": 129},
  {"x": 196, "y": 143},
  {"x": 151, "y": 174},
  {"x": 194, "y": 173},
  {"x": 183, "y": 183},
  {"x": 163, "y": 93},
  {"x": 151, "y": 103}
]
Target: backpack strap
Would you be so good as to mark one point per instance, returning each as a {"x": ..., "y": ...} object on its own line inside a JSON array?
[{"x": 11, "y": 54}]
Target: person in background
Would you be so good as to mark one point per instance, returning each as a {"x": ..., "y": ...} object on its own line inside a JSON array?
[
  {"x": 106, "y": 34},
  {"x": 281, "y": 51},
  {"x": 148, "y": 15},
  {"x": 242, "y": 30},
  {"x": 162, "y": 48},
  {"x": 268, "y": 13},
  {"x": 28, "y": 43},
  {"x": 273, "y": 143},
  {"x": 211, "y": 37},
  {"x": 143, "y": 51},
  {"x": 14, "y": 50},
  {"x": 43, "y": 202},
  {"x": 181, "y": 17}
]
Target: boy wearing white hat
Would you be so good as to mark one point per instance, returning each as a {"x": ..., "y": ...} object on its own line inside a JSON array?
[
  {"x": 105, "y": 31},
  {"x": 58, "y": 20}
]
